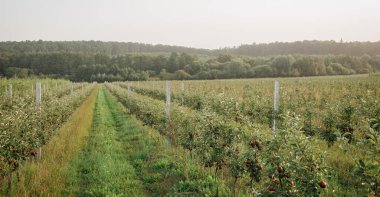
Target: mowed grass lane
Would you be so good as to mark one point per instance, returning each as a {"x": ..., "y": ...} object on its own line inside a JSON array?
[
  {"x": 47, "y": 176},
  {"x": 124, "y": 158},
  {"x": 103, "y": 168}
]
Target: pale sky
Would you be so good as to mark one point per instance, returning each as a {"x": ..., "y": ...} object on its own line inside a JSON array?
[{"x": 194, "y": 23}]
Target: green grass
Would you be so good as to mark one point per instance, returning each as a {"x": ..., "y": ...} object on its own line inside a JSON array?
[
  {"x": 103, "y": 168},
  {"x": 118, "y": 156},
  {"x": 161, "y": 169},
  {"x": 46, "y": 177},
  {"x": 125, "y": 158}
]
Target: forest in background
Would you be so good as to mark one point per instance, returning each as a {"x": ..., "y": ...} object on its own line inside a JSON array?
[{"x": 117, "y": 61}]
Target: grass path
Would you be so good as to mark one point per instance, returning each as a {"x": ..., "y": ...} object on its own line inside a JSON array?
[
  {"x": 103, "y": 168},
  {"x": 105, "y": 151},
  {"x": 121, "y": 157},
  {"x": 124, "y": 158},
  {"x": 46, "y": 177}
]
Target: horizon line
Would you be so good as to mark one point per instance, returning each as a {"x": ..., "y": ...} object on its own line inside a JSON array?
[{"x": 173, "y": 45}]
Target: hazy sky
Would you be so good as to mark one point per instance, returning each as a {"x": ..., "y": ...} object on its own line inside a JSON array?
[{"x": 195, "y": 23}]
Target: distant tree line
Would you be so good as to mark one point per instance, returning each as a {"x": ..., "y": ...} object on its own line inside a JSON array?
[
  {"x": 313, "y": 47},
  {"x": 100, "y": 67},
  {"x": 306, "y": 48},
  {"x": 93, "y": 47}
]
